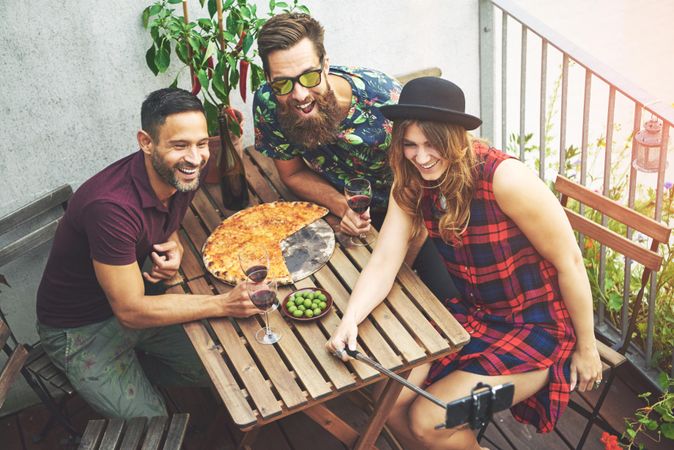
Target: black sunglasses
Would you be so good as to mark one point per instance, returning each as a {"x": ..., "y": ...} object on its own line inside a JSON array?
[{"x": 284, "y": 86}]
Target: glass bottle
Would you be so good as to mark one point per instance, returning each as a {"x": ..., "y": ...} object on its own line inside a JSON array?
[{"x": 232, "y": 173}]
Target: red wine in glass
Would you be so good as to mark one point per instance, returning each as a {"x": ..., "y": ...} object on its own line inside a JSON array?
[
  {"x": 359, "y": 203},
  {"x": 257, "y": 273},
  {"x": 263, "y": 299},
  {"x": 358, "y": 192},
  {"x": 254, "y": 263},
  {"x": 263, "y": 296}
]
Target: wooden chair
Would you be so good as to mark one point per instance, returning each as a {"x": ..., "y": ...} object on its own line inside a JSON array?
[
  {"x": 137, "y": 433},
  {"x": 612, "y": 356},
  {"x": 16, "y": 358},
  {"x": 41, "y": 217}
]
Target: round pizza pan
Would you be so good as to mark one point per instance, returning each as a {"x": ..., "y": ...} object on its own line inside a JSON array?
[{"x": 304, "y": 252}]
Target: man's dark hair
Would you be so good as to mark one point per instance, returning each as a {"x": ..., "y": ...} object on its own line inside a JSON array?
[
  {"x": 284, "y": 31},
  {"x": 164, "y": 102}
]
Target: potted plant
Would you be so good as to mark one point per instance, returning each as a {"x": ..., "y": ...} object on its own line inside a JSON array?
[{"x": 218, "y": 50}]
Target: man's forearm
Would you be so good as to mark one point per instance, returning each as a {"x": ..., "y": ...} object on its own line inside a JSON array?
[
  {"x": 168, "y": 309},
  {"x": 308, "y": 185}
]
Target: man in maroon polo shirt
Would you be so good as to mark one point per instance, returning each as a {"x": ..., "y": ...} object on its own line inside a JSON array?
[{"x": 95, "y": 319}]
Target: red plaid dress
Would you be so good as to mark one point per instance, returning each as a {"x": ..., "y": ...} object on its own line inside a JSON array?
[{"x": 511, "y": 304}]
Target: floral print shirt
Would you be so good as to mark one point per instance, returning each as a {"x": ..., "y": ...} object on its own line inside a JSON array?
[{"x": 363, "y": 141}]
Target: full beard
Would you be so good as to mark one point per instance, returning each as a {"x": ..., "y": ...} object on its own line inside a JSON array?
[
  {"x": 168, "y": 173},
  {"x": 314, "y": 131}
]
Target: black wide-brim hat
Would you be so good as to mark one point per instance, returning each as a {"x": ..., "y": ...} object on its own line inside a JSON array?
[{"x": 432, "y": 98}]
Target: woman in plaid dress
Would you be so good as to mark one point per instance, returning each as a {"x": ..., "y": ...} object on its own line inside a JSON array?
[{"x": 525, "y": 296}]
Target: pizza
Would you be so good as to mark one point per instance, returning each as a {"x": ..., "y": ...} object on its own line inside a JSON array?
[{"x": 265, "y": 226}]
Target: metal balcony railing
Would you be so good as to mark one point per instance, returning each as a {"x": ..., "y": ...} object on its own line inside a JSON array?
[{"x": 563, "y": 111}]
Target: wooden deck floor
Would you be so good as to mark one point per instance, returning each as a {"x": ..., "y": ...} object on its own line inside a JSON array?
[{"x": 208, "y": 428}]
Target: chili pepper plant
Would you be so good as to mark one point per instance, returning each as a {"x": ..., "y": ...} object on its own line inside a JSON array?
[{"x": 216, "y": 49}]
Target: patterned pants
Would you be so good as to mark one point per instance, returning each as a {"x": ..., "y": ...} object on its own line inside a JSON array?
[{"x": 115, "y": 368}]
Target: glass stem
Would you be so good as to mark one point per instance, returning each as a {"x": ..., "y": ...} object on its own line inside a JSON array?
[{"x": 267, "y": 328}]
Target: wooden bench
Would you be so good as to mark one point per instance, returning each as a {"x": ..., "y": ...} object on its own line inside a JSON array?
[
  {"x": 137, "y": 433},
  {"x": 25, "y": 230},
  {"x": 612, "y": 356}
]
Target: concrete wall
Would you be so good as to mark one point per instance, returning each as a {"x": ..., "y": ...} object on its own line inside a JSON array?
[{"x": 73, "y": 76}]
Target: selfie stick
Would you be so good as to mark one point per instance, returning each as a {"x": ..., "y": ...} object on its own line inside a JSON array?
[{"x": 476, "y": 409}]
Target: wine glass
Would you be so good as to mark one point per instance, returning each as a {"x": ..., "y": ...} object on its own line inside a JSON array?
[
  {"x": 254, "y": 263},
  {"x": 358, "y": 192},
  {"x": 263, "y": 295}
]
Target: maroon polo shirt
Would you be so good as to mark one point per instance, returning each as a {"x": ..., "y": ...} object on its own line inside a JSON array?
[{"x": 115, "y": 218}]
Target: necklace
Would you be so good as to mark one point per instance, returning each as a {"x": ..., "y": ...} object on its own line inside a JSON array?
[{"x": 442, "y": 200}]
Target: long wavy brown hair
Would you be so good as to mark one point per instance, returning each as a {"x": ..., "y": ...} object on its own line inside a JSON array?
[{"x": 457, "y": 185}]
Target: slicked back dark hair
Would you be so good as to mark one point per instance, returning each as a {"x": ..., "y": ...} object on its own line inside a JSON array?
[
  {"x": 164, "y": 102},
  {"x": 284, "y": 31}
]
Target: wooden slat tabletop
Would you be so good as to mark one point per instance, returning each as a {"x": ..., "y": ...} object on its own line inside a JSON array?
[{"x": 261, "y": 383}]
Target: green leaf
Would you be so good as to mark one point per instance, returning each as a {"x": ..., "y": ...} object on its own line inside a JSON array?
[
  {"x": 667, "y": 430},
  {"x": 175, "y": 2},
  {"x": 615, "y": 301},
  {"x": 212, "y": 7},
  {"x": 154, "y": 34},
  {"x": 231, "y": 25},
  {"x": 155, "y": 9},
  {"x": 183, "y": 52},
  {"x": 245, "y": 12},
  {"x": 203, "y": 78},
  {"x": 163, "y": 57},
  {"x": 209, "y": 51},
  {"x": 150, "y": 60},
  {"x": 234, "y": 127},
  {"x": 272, "y": 5},
  {"x": 247, "y": 43},
  {"x": 303, "y": 9},
  {"x": 256, "y": 77},
  {"x": 227, "y": 4},
  {"x": 202, "y": 2},
  {"x": 233, "y": 77},
  {"x": 175, "y": 82},
  {"x": 663, "y": 380},
  {"x": 195, "y": 43},
  {"x": 211, "y": 118},
  {"x": 205, "y": 24},
  {"x": 218, "y": 83},
  {"x": 146, "y": 16},
  {"x": 631, "y": 433},
  {"x": 281, "y": 5}
]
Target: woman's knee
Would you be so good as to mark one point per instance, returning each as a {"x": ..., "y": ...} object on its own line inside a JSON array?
[{"x": 423, "y": 418}]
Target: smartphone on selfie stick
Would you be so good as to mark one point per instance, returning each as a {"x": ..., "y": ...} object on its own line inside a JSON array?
[{"x": 475, "y": 409}]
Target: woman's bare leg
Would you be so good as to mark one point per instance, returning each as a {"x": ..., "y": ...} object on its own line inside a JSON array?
[
  {"x": 423, "y": 416},
  {"x": 398, "y": 420}
]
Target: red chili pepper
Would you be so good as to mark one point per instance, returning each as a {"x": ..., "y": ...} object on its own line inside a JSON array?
[
  {"x": 231, "y": 112},
  {"x": 243, "y": 78},
  {"x": 196, "y": 86},
  {"x": 239, "y": 45}
]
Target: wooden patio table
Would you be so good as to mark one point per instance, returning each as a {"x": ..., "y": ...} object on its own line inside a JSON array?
[{"x": 260, "y": 384}]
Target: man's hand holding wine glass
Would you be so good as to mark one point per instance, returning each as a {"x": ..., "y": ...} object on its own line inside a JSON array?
[{"x": 356, "y": 221}]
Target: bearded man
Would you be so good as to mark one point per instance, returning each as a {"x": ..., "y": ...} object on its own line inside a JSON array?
[
  {"x": 95, "y": 318},
  {"x": 322, "y": 125}
]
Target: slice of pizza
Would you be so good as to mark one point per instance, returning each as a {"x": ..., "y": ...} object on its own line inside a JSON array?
[{"x": 264, "y": 225}]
